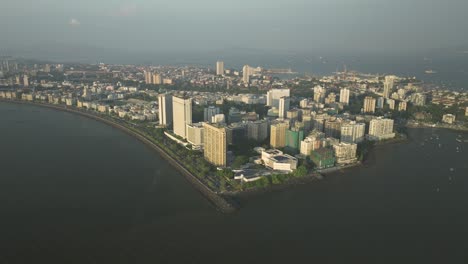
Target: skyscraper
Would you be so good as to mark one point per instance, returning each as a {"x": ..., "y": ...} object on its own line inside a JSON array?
[
  {"x": 148, "y": 77},
  {"x": 246, "y": 74},
  {"x": 215, "y": 147},
  {"x": 219, "y": 68},
  {"x": 278, "y": 134},
  {"x": 156, "y": 78},
  {"x": 388, "y": 85},
  {"x": 344, "y": 96},
  {"x": 257, "y": 130},
  {"x": 25, "y": 80},
  {"x": 165, "y": 109},
  {"x": 284, "y": 103},
  {"x": 369, "y": 104},
  {"x": 319, "y": 93},
  {"x": 182, "y": 115}
]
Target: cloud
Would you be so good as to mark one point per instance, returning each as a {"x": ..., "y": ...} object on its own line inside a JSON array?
[
  {"x": 74, "y": 22},
  {"x": 126, "y": 10}
]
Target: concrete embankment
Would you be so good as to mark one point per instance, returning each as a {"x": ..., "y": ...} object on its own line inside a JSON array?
[{"x": 219, "y": 202}]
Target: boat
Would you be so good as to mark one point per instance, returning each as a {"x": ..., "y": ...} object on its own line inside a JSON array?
[{"x": 430, "y": 72}]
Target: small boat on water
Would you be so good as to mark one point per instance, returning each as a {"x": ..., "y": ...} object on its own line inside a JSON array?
[{"x": 452, "y": 169}]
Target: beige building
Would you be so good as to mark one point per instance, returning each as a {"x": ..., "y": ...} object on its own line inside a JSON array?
[
  {"x": 195, "y": 135},
  {"x": 353, "y": 132},
  {"x": 278, "y": 134},
  {"x": 219, "y": 68},
  {"x": 344, "y": 96},
  {"x": 215, "y": 145},
  {"x": 448, "y": 118},
  {"x": 369, "y": 104},
  {"x": 182, "y": 115}
]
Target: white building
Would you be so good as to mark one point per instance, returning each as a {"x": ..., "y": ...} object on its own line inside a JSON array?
[
  {"x": 353, "y": 132},
  {"x": 195, "y": 135},
  {"x": 165, "y": 109},
  {"x": 381, "y": 128},
  {"x": 284, "y": 104},
  {"x": 274, "y": 95},
  {"x": 276, "y": 160},
  {"x": 388, "y": 85},
  {"x": 182, "y": 115},
  {"x": 344, "y": 96}
]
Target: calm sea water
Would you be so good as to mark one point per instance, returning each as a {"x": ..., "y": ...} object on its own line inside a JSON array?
[{"x": 73, "y": 190}]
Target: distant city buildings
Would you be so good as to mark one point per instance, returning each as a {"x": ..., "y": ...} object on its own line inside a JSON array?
[
  {"x": 388, "y": 85},
  {"x": 274, "y": 95}
]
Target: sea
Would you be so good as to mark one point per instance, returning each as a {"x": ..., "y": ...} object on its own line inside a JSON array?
[{"x": 73, "y": 190}]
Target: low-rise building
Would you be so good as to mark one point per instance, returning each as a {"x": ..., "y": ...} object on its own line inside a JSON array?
[
  {"x": 277, "y": 160},
  {"x": 448, "y": 118}
]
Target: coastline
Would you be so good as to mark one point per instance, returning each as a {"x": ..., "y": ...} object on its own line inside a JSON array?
[
  {"x": 439, "y": 126},
  {"x": 218, "y": 201}
]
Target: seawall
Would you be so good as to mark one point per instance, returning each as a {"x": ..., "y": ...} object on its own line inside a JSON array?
[{"x": 219, "y": 202}]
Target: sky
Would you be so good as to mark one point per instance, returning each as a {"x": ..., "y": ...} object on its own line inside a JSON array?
[{"x": 165, "y": 26}]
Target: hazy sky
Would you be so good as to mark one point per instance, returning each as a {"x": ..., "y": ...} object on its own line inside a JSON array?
[{"x": 194, "y": 25}]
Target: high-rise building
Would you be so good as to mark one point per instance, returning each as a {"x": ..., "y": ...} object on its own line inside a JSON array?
[
  {"x": 156, "y": 78},
  {"x": 25, "y": 80},
  {"x": 312, "y": 142},
  {"x": 344, "y": 96},
  {"x": 319, "y": 94},
  {"x": 284, "y": 103},
  {"x": 381, "y": 128},
  {"x": 148, "y": 77},
  {"x": 257, "y": 130},
  {"x": 293, "y": 139},
  {"x": 353, "y": 132},
  {"x": 388, "y": 85},
  {"x": 380, "y": 102},
  {"x": 278, "y": 134},
  {"x": 195, "y": 135},
  {"x": 219, "y": 68},
  {"x": 369, "y": 104},
  {"x": 209, "y": 112},
  {"x": 215, "y": 144},
  {"x": 333, "y": 127},
  {"x": 345, "y": 153},
  {"x": 246, "y": 74},
  {"x": 182, "y": 115},
  {"x": 165, "y": 109},
  {"x": 274, "y": 95}
]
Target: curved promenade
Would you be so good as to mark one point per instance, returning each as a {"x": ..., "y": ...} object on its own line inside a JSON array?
[{"x": 219, "y": 202}]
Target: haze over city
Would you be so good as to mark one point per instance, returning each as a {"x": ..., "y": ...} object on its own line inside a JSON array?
[{"x": 209, "y": 26}]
